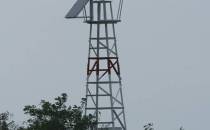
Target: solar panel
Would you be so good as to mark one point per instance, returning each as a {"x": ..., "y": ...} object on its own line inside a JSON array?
[{"x": 76, "y": 9}]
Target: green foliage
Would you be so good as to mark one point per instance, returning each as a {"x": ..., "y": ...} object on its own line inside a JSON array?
[
  {"x": 3, "y": 119},
  {"x": 5, "y": 123},
  {"x": 57, "y": 116},
  {"x": 149, "y": 126}
]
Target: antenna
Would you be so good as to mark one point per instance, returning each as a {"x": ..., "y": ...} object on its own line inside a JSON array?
[{"x": 104, "y": 98}]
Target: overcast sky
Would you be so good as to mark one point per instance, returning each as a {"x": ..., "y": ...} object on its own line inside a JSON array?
[{"x": 163, "y": 49}]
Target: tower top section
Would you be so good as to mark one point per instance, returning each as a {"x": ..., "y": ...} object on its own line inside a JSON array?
[{"x": 97, "y": 11}]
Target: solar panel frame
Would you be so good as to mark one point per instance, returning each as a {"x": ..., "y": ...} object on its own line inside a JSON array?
[{"x": 76, "y": 9}]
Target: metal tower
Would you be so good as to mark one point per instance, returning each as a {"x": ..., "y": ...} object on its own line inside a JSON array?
[{"x": 104, "y": 98}]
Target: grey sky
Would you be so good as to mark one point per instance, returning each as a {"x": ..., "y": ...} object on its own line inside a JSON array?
[{"x": 163, "y": 49}]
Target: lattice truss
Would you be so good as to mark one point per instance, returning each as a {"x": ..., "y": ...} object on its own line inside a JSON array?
[{"x": 104, "y": 88}]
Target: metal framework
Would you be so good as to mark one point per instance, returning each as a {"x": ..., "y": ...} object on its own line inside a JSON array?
[
  {"x": 104, "y": 98},
  {"x": 104, "y": 88}
]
